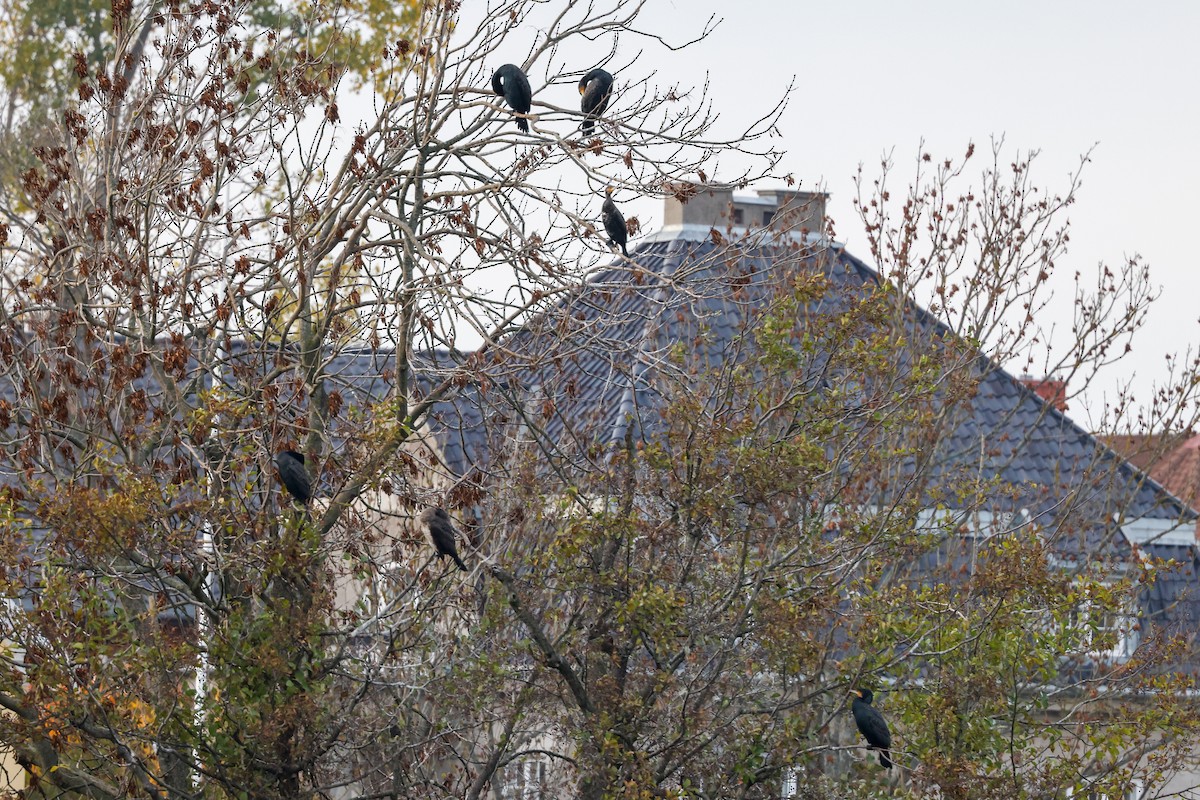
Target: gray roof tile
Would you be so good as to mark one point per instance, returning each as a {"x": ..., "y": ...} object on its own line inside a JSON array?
[{"x": 619, "y": 328}]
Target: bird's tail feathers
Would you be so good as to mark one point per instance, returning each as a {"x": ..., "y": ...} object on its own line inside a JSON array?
[
  {"x": 884, "y": 760},
  {"x": 463, "y": 566},
  {"x": 523, "y": 124}
]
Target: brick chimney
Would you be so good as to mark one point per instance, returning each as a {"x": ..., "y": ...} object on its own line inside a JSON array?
[
  {"x": 782, "y": 209},
  {"x": 1052, "y": 390}
]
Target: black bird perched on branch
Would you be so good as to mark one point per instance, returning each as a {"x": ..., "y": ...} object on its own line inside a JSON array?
[
  {"x": 441, "y": 532},
  {"x": 872, "y": 726},
  {"x": 595, "y": 88},
  {"x": 295, "y": 478},
  {"x": 510, "y": 83},
  {"x": 614, "y": 222}
]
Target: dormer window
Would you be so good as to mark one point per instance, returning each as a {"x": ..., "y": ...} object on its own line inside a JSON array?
[
  {"x": 1110, "y": 634},
  {"x": 739, "y": 217}
]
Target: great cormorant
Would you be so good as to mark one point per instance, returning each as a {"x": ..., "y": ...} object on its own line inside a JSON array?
[
  {"x": 614, "y": 222},
  {"x": 295, "y": 478},
  {"x": 441, "y": 532},
  {"x": 510, "y": 83},
  {"x": 872, "y": 726},
  {"x": 595, "y": 88}
]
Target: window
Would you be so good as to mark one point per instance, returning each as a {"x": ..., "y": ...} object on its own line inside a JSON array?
[
  {"x": 391, "y": 582},
  {"x": 1134, "y": 792},
  {"x": 789, "y": 786},
  {"x": 739, "y": 216},
  {"x": 389, "y": 593},
  {"x": 767, "y": 216},
  {"x": 1112, "y": 634},
  {"x": 10, "y": 610},
  {"x": 971, "y": 523},
  {"x": 525, "y": 781}
]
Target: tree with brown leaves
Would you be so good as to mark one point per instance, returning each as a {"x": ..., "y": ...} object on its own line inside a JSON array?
[{"x": 220, "y": 248}]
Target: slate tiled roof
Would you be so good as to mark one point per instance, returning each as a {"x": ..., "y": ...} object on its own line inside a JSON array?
[{"x": 618, "y": 327}]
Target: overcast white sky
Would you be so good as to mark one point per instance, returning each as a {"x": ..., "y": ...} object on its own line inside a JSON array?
[{"x": 1057, "y": 76}]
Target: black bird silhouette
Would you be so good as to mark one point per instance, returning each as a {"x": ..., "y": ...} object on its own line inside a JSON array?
[
  {"x": 441, "y": 532},
  {"x": 510, "y": 83},
  {"x": 295, "y": 478},
  {"x": 872, "y": 726},
  {"x": 614, "y": 222},
  {"x": 595, "y": 88}
]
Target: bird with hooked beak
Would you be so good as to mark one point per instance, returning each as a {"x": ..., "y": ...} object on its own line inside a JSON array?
[
  {"x": 510, "y": 83},
  {"x": 441, "y": 532},
  {"x": 872, "y": 725},
  {"x": 614, "y": 222},
  {"x": 294, "y": 476},
  {"x": 595, "y": 88}
]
